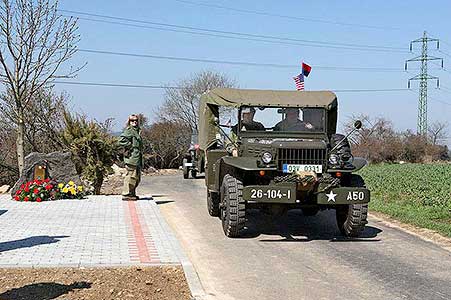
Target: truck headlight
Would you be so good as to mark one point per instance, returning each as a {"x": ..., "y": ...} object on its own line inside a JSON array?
[
  {"x": 333, "y": 159},
  {"x": 347, "y": 158},
  {"x": 266, "y": 157}
]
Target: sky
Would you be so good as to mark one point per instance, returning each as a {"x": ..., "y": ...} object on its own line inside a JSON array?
[{"x": 389, "y": 25}]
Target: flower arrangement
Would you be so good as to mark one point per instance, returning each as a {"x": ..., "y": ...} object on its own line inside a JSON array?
[
  {"x": 69, "y": 191},
  {"x": 43, "y": 190}
]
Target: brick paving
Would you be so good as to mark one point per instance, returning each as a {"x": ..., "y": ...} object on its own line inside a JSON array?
[{"x": 97, "y": 231}]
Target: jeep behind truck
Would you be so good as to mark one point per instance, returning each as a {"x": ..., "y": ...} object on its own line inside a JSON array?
[{"x": 287, "y": 163}]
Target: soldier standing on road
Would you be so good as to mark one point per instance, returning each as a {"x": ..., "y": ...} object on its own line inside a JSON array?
[{"x": 131, "y": 141}]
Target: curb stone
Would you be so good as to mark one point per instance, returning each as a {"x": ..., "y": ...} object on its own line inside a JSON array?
[{"x": 194, "y": 283}]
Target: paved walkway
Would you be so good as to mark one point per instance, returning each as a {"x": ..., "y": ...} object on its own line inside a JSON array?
[{"x": 98, "y": 231}]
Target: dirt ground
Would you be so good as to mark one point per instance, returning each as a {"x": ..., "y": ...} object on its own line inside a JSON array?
[{"x": 162, "y": 283}]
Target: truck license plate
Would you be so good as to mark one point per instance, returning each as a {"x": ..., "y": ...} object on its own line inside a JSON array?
[
  {"x": 270, "y": 193},
  {"x": 291, "y": 168}
]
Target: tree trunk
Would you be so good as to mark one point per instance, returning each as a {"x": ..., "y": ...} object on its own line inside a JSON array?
[{"x": 20, "y": 144}]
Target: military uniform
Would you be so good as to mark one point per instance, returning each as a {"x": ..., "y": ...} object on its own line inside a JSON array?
[
  {"x": 131, "y": 141},
  {"x": 286, "y": 125},
  {"x": 252, "y": 125}
]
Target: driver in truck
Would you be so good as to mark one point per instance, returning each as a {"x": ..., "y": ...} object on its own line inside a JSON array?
[{"x": 292, "y": 122}]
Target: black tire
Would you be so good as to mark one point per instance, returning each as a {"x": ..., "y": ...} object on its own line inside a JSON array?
[
  {"x": 310, "y": 211},
  {"x": 233, "y": 208},
  {"x": 213, "y": 204},
  {"x": 351, "y": 219},
  {"x": 194, "y": 174},
  {"x": 185, "y": 169}
]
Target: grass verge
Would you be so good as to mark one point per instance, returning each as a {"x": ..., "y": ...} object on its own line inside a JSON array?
[{"x": 418, "y": 194}]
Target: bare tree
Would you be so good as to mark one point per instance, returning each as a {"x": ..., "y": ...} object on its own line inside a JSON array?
[
  {"x": 182, "y": 103},
  {"x": 437, "y": 131},
  {"x": 169, "y": 141},
  {"x": 35, "y": 41}
]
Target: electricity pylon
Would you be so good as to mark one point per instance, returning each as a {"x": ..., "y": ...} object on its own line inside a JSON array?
[{"x": 423, "y": 77}]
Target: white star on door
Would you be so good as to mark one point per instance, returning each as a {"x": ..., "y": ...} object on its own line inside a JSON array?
[{"x": 331, "y": 196}]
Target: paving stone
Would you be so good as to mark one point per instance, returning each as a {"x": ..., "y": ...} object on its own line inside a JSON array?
[{"x": 99, "y": 230}]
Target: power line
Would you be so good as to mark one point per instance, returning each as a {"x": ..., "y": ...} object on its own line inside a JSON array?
[
  {"x": 369, "y": 90},
  {"x": 123, "y": 85},
  {"x": 236, "y": 35},
  {"x": 243, "y": 63},
  {"x": 308, "y": 19},
  {"x": 435, "y": 99},
  {"x": 445, "y": 88}
]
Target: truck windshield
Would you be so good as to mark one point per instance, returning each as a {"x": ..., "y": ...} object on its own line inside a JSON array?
[{"x": 290, "y": 119}]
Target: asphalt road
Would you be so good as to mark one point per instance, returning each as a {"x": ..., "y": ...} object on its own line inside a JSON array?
[{"x": 299, "y": 257}]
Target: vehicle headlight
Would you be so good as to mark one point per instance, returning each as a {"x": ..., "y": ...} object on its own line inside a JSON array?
[
  {"x": 333, "y": 159},
  {"x": 266, "y": 157},
  {"x": 347, "y": 158}
]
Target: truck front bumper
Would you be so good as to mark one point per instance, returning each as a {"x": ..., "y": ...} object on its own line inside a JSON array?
[{"x": 286, "y": 193}]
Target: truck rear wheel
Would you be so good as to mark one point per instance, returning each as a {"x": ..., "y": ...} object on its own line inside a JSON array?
[
  {"x": 351, "y": 219},
  {"x": 213, "y": 204},
  {"x": 233, "y": 209}
]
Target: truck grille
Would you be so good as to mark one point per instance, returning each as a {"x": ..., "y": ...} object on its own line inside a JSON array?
[{"x": 301, "y": 157}]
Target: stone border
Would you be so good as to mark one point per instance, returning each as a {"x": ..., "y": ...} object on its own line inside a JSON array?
[{"x": 194, "y": 283}]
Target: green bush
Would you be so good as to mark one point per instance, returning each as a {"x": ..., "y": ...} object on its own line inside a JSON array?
[{"x": 92, "y": 147}]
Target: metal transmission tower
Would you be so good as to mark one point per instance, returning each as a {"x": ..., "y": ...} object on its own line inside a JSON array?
[{"x": 423, "y": 77}]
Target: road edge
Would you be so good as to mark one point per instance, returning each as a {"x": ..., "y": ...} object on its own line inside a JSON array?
[{"x": 425, "y": 234}]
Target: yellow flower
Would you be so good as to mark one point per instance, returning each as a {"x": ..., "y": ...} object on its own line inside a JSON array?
[
  {"x": 80, "y": 188},
  {"x": 71, "y": 183},
  {"x": 72, "y": 191},
  {"x": 60, "y": 185},
  {"x": 65, "y": 190}
]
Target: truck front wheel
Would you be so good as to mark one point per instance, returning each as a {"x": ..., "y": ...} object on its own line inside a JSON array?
[
  {"x": 213, "y": 204},
  {"x": 233, "y": 208},
  {"x": 352, "y": 218}
]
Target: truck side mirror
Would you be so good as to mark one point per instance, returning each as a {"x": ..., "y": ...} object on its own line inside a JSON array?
[{"x": 358, "y": 124}]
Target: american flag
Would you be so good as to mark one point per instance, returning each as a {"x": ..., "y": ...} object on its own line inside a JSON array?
[{"x": 299, "y": 80}]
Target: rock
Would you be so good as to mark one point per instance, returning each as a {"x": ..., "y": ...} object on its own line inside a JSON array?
[
  {"x": 59, "y": 168},
  {"x": 4, "y": 189},
  {"x": 118, "y": 171}
]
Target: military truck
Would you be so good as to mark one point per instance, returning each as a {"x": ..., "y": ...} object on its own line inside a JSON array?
[
  {"x": 193, "y": 161},
  {"x": 291, "y": 159}
]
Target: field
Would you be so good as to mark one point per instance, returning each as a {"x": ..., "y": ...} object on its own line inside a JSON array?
[{"x": 419, "y": 194}]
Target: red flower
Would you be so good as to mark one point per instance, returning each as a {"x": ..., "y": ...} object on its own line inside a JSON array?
[
  {"x": 17, "y": 198},
  {"x": 26, "y": 198},
  {"x": 27, "y": 189},
  {"x": 18, "y": 192},
  {"x": 38, "y": 199},
  {"x": 48, "y": 187},
  {"x": 22, "y": 186},
  {"x": 35, "y": 191},
  {"x": 47, "y": 180}
]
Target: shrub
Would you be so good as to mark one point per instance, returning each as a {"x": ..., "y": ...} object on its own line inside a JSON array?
[{"x": 92, "y": 147}]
